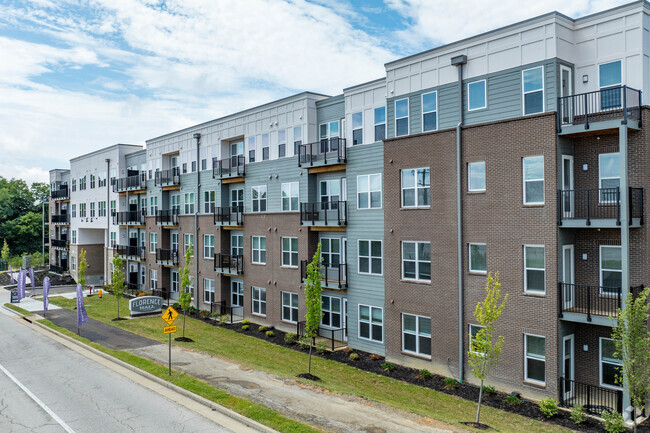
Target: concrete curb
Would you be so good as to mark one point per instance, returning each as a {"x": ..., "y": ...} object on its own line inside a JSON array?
[{"x": 201, "y": 400}]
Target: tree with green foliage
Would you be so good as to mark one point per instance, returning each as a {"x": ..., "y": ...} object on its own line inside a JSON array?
[
  {"x": 117, "y": 281},
  {"x": 485, "y": 348},
  {"x": 185, "y": 298},
  {"x": 313, "y": 302},
  {"x": 5, "y": 254},
  {"x": 83, "y": 265},
  {"x": 20, "y": 214},
  {"x": 632, "y": 347}
]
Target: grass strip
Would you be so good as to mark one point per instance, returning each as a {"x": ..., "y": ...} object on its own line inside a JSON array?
[{"x": 17, "y": 309}]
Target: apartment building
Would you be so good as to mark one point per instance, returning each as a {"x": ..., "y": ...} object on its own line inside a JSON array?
[{"x": 521, "y": 150}]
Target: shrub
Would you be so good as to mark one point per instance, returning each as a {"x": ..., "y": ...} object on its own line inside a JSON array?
[
  {"x": 613, "y": 422},
  {"x": 304, "y": 343},
  {"x": 375, "y": 357},
  {"x": 263, "y": 328},
  {"x": 513, "y": 400},
  {"x": 451, "y": 383},
  {"x": 270, "y": 334},
  {"x": 176, "y": 306},
  {"x": 245, "y": 322},
  {"x": 548, "y": 406},
  {"x": 354, "y": 356},
  {"x": 489, "y": 390},
  {"x": 205, "y": 314},
  {"x": 223, "y": 319},
  {"x": 426, "y": 374},
  {"x": 578, "y": 415},
  {"x": 290, "y": 338},
  {"x": 321, "y": 348},
  {"x": 245, "y": 327},
  {"x": 387, "y": 366}
]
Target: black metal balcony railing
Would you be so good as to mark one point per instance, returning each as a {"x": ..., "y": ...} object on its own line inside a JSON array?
[
  {"x": 169, "y": 177},
  {"x": 329, "y": 150},
  {"x": 595, "y": 399},
  {"x": 131, "y": 217},
  {"x": 61, "y": 218},
  {"x": 614, "y": 103},
  {"x": 167, "y": 257},
  {"x": 235, "y": 314},
  {"x": 57, "y": 269},
  {"x": 228, "y": 263},
  {"x": 167, "y": 217},
  {"x": 234, "y": 166},
  {"x": 59, "y": 243},
  {"x": 229, "y": 215},
  {"x": 132, "y": 252},
  {"x": 328, "y": 213},
  {"x": 337, "y": 337},
  {"x": 590, "y": 300},
  {"x": 162, "y": 292},
  {"x": 130, "y": 183},
  {"x": 333, "y": 276},
  {"x": 603, "y": 203},
  {"x": 132, "y": 289},
  {"x": 61, "y": 193}
]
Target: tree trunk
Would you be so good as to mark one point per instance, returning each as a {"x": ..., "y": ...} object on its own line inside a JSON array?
[
  {"x": 634, "y": 418},
  {"x": 183, "y": 324},
  {"x": 478, "y": 408},
  {"x": 310, "y": 347},
  {"x": 118, "y": 308}
]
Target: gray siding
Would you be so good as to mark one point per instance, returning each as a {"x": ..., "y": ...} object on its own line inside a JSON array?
[
  {"x": 280, "y": 171},
  {"x": 330, "y": 109}
]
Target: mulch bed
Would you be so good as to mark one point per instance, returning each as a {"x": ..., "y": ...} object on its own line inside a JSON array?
[{"x": 39, "y": 274}]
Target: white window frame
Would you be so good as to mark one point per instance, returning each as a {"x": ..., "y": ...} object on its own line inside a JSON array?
[
  {"x": 620, "y": 62},
  {"x": 469, "y": 108},
  {"x": 469, "y": 258},
  {"x": 153, "y": 242},
  {"x": 282, "y": 141},
  {"x": 600, "y": 365},
  {"x": 356, "y": 129},
  {"x": 153, "y": 279},
  {"x": 470, "y": 337},
  {"x": 408, "y": 114},
  {"x": 429, "y": 112},
  {"x": 189, "y": 202},
  {"x": 208, "y": 289},
  {"x": 188, "y": 239},
  {"x": 601, "y": 177},
  {"x": 417, "y": 261},
  {"x": 74, "y": 237},
  {"x": 370, "y": 191},
  {"x": 370, "y": 257},
  {"x": 332, "y": 312},
  {"x": 290, "y": 252},
  {"x": 237, "y": 292},
  {"x": 261, "y": 190},
  {"x": 73, "y": 263},
  {"x": 526, "y": 378},
  {"x": 258, "y": 301},
  {"x": 601, "y": 269},
  {"x": 287, "y": 188},
  {"x": 208, "y": 246},
  {"x": 259, "y": 250},
  {"x": 524, "y": 93},
  {"x": 523, "y": 177},
  {"x": 375, "y": 124},
  {"x": 534, "y": 269},
  {"x": 290, "y": 306},
  {"x": 415, "y": 187},
  {"x": 417, "y": 334},
  {"x": 209, "y": 201},
  {"x": 370, "y": 323},
  {"x": 469, "y": 176}
]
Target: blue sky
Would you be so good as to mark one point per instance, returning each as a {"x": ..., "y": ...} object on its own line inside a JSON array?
[{"x": 76, "y": 76}]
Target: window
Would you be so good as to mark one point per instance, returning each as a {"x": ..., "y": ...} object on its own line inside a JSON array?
[
  {"x": 73, "y": 263},
  {"x": 477, "y": 258},
  {"x": 416, "y": 334},
  {"x": 74, "y": 236},
  {"x": 357, "y": 128},
  {"x": 369, "y": 191},
  {"x": 204, "y": 159},
  {"x": 476, "y": 95},
  {"x": 208, "y": 246},
  {"x": 236, "y": 245},
  {"x": 237, "y": 293},
  {"x": 92, "y": 209},
  {"x": 290, "y": 307},
  {"x": 74, "y": 211},
  {"x": 290, "y": 252},
  {"x": 251, "y": 149},
  {"x": 153, "y": 279},
  {"x": 282, "y": 143},
  {"x": 380, "y": 123},
  {"x": 610, "y": 364},
  {"x": 188, "y": 240},
  {"x": 533, "y": 180},
  {"x": 370, "y": 257},
  {"x": 74, "y": 184},
  {"x": 416, "y": 261},
  {"x": 330, "y": 193},
  {"x": 535, "y": 358},
  {"x": 92, "y": 181},
  {"x": 82, "y": 210},
  {"x": 609, "y": 81},
  {"x": 259, "y": 301},
  {"x": 113, "y": 207},
  {"x": 329, "y": 133},
  {"x": 153, "y": 242},
  {"x": 415, "y": 187},
  {"x": 265, "y": 147},
  {"x": 331, "y": 251},
  {"x": 534, "y": 273},
  {"x": 258, "y": 197},
  {"x": 371, "y": 323},
  {"x": 609, "y": 177},
  {"x": 208, "y": 290},
  {"x": 290, "y": 197},
  {"x": 430, "y": 111},
  {"x": 208, "y": 201},
  {"x": 297, "y": 139},
  {"x": 102, "y": 208},
  {"x": 611, "y": 271},
  {"x": 101, "y": 179},
  {"x": 82, "y": 183},
  {"x": 153, "y": 205},
  {"x": 331, "y": 312},
  {"x": 473, "y": 332},
  {"x": 113, "y": 239},
  {"x": 401, "y": 117},
  {"x": 193, "y": 166},
  {"x": 237, "y": 198},
  {"x": 476, "y": 176},
  {"x": 189, "y": 203},
  {"x": 533, "y": 90},
  {"x": 259, "y": 249}
]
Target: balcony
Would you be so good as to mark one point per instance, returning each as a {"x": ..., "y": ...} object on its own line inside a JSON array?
[
  {"x": 130, "y": 218},
  {"x": 595, "y": 399},
  {"x": 167, "y": 257},
  {"x": 61, "y": 219},
  {"x": 168, "y": 178},
  {"x": 322, "y": 214},
  {"x": 600, "y": 110},
  {"x": 61, "y": 193},
  {"x": 59, "y": 243},
  {"x": 233, "y": 167},
  {"x": 229, "y": 216},
  {"x": 167, "y": 217},
  {"x": 323, "y": 153},
  {"x": 334, "y": 339},
  {"x": 598, "y": 208},
  {"x": 58, "y": 269},
  {"x": 334, "y": 276},
  {"x": 137, "y": 182},
  {"x": 131, "y": 252},
  {"x": 132, "y": 289},
  {"x": 578, "y": 300},
  {"x": 162, "y": 292},
  {"x": 235, "y": 313},
  {"x": 229, "y": 264}
]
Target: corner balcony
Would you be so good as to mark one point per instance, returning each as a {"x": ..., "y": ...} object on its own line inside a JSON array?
[
  {"x": 167, "y": 217},
  {"x": 598, "y": 305},
  {"x": 598, "y": 208},
  {"x": 329, "y": 154},
  {"x": 334, "y": 276},
  {"x": 602, "y": 110},
  {"x": 61, "y": 219},
  {"x": 231, "y": 169},
  {"x": 131, "y": 252},
  {"x": 324, "y": 215},
  {"x": 229, "y": 216},
  {"x": 595, "y": 399},
  {"x": 58, "y": 269},
  {"x": 166, "y": 257},
  {"x": 59, "y": 244},
  {"x": 229, "y": 264},
  {"x": 130, "y": 218},
  {"x": 60, "y": 194},
  {"x": 133, "y": 183},
  {"x": 168, "y": 179}
]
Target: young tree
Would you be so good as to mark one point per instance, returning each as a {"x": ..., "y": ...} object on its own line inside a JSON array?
[
  {"x": 117, "y": 282},
  {"x": 185, "y": 298},
  {"x": 83, "y": 265},
  {"x": 484, "y": 347},
  {"x": 5, "y": 254},
  {"x": 632, "y": 343},
  {"x": 313, "y": 290}
]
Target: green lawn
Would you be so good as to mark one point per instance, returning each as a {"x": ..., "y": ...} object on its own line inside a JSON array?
[
  {"x": 336, "y": 377},
  {"x": 17, "y": 309}
]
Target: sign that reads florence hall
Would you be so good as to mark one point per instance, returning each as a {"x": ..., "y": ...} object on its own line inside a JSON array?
[{"x": 145, "y": 305}]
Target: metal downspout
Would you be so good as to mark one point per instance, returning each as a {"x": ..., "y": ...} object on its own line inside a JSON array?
[
  {"x": 197, "y": 136},
  {"x": 108, "y": 221}
]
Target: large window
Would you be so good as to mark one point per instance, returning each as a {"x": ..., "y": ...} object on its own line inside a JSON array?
[
  {"x": 533, "y": 168},
  {"x": 92, "y": 209},
  {"x": 535, "y": 358},
  {"x": 369, "y": 191},
  {"x": 282, "y": 143},
  {"x": 189, "y": 203},
  {"x": 609, "y": 177},
  {"x": 297, "y": 139},
  {"x": 265, "y": 147},
  {"x": 534, "y": 271},
  {"x": 188, "y": 240},
  {"x": 371, "y": 323},
  {"x": 331, "y": 312},
  {"x": 473, "y": 332},
  {"x": 290, "y": 252},
  {"x": 331, "y": 251},
  {"x": 153, "y": 279},
  {"x": 74, "y": 237},
  {"x": 237, "y": 197},
  {"x": 380, "y": 123},
  {"x": 237, "y": 244},
  {"x": 415, "y": 187},
  {"x": 74, "y": 211},
  {"x": 208, "y": 290},
  {"x": 208, "y": 246},
  {"x": 153, "y": 242},
  {"x": 416, "y": 261},
  {"x": 290, "y": 307},
  {"x": 101, "y": 205},
  {"x": 258, "y": 197},
  {"x": 251, "y": 149},
  {"x": 476, "y": 95},
  {"x": 476, "y": 176},
  {"x": 416, "y": 334},
  {"x": 259, "y": 249},
  {"x": 259, "y": 301},
  {"x": 609, "y": 81},
  {"x": 477, "y": 258},
  {"x": 611, "y": 271},
  {"x": 610, "y": 364},
  {"x": 370, "y": 257},
  {"x": 237, "y": 293},
  {"x": 208, "y": 201},
  {"x": 290, "y": 201},
  {"x": 430, "y": 111},
  {"x": 153, "y": 205},
  {"x": 533, "y": 90},
  {"x": 357, "y": 128},
  {"x": 401, "y": 117},
  {"x": 92, "y": 181}
]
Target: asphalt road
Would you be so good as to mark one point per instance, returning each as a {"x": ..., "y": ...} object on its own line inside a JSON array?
[{"x": 47, "y": 387}]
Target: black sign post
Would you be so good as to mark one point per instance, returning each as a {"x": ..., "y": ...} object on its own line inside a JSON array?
[{"x": 14, "y": 296}]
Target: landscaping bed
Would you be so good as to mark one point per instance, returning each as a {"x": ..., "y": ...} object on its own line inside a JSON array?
[{"x": 39, "y": 274}]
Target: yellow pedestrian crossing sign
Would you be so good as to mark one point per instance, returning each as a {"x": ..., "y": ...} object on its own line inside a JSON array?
[{"x": 170, "y": 315}]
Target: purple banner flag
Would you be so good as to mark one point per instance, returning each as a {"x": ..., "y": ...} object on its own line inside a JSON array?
[
  {"x": 20, "y": 282},
  {"x": 31, "y": 277},
  {"x": 46, "y": 292},
  {"x": 82, "y": 317}
]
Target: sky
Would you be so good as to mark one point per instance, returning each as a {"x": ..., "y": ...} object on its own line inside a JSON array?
[{"x": 76, "y": 76}]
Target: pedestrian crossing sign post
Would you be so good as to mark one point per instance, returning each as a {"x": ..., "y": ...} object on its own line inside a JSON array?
[
  {"x": 169, "y": 329},
  {"x": 169, "y": 316}
]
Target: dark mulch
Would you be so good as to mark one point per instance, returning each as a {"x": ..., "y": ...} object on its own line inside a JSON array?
[
  {"x": 184, "y": 339},
  {"x": 308, "y": 377},
  {"x": 39, "y": 274},
  {"x": 477, "y": 425},
  {"x": 118, "y": 318}
]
